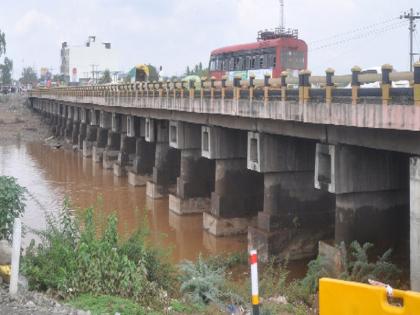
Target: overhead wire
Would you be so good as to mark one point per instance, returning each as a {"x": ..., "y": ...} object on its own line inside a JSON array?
[
  {"x": 370, "y": 33},
  {"x": 356, "y": 30}
]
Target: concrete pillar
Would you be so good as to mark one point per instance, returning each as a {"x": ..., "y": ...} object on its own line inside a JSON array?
[
  {"x": 84, "y": 121},
  {"x": 76, "y": 127},
  {"x": 238, "y": 192},
  {"x": 92, "y": 124},
  {"x": 141, "y": 170},
  {"x": 166, "y": 168},
  {"x": 128, "y": 146},
  {"x": 415, "y": 223},
  {"x": 69, "y": 123},
  {"x": 196, "y": 179},
  {"x": 99, "y": 146},
  {"x": 295, "y": 215},
  {"x": 371, "y": 192}
]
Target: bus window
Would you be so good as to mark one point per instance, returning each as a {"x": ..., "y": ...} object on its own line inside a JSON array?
[
  {"x": 261, "y": 62},
  {"x": 292, "y": 59},
  {"x": 231, "y": 63},
  {"x": 253, "y": 59},
  {"x": 274, "y": 61}
]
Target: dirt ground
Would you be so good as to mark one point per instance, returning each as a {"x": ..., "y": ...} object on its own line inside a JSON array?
[{"x": 18, "y": 122}]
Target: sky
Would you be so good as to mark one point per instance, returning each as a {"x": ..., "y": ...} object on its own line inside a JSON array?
[{"x": 177, "y": 33}]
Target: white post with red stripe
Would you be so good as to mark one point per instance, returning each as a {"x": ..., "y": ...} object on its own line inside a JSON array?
[{"x": 253, "y": 259}]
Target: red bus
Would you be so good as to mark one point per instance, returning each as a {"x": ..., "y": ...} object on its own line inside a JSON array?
[{"x": 274, "y": 52}]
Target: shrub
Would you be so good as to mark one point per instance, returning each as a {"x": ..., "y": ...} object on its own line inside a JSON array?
[
  {"x": 72, "y": 261},
  {"x": 357, "y": 267},
  {"x": 205, "y": 283},
  {"x": 12, "y": 205}
]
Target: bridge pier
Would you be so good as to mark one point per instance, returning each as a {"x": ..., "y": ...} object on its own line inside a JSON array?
[
  {"x": 415, "y": 223},
  {"x": 115, "y": 135},
  {"x": 69, "y": 124},
  {"x": 295, "y": 215},
  {"x": 76, "y": 127},
  {"x": 84, "y": 121},
  {"x": 91, "y": 133},
  {"x": 144, "y": 157},
  {"x": 238, "y": 192},
  {"x": 371, "y": 192},
  {"x": 166, "y": 168},
  {"x": 196, "y": 179},
  {"x": 99, "y": 146},
  {"x": 128, "y": 146}
]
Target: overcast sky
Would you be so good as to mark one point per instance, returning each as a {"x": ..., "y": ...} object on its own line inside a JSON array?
[{"x": 176, "y": 33}]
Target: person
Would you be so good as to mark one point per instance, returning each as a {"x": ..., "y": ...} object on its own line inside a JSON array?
[{"x": 161, "y": 74}]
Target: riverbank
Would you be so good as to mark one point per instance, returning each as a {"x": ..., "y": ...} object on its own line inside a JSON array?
[{"x": 18, "y": 122}]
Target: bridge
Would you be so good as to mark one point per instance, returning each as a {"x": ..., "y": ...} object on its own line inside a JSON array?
[{"x": 290, "y": 161}]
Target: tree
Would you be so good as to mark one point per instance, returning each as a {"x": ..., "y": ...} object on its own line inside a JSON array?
[
  {"x": 6, "y": 71},
  {"x": 106, "y": 77},
  {"x": 2, "y": 43},
  {"x": 153, "y": 74},
  {"x": 28, "y": 76},
  {"x": 12, "y": 204},
  {"x": 197, "y": 70}
]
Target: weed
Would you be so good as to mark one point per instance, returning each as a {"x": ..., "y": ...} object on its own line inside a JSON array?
[{"x": 12, "y": 204}]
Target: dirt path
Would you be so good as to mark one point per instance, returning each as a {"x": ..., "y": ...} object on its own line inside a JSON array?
[{"x": 18, "y": 122}]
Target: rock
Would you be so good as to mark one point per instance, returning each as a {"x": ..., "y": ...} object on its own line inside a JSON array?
[
  {"x": 30, "y": 304},
  {"x": 5, "y": 253},
  {"x": 23, "y": 283}
]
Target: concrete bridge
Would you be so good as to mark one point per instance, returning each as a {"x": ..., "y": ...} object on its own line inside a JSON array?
[{"x": 289, "y": 166}]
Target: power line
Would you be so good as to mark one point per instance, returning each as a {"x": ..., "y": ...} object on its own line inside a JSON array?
[
  {"x": 359, "y": 36},
  {"x": 411, "y": 17},
  {"x": 356, "y": 30}
]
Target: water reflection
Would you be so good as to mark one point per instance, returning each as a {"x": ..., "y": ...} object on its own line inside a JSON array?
[{"x": 51, "y": 174}]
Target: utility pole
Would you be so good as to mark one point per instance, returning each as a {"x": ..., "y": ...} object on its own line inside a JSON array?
[{"x": 411, "y": 17}]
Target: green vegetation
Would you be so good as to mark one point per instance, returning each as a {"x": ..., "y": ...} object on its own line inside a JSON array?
[
  {"x": 2, "y": 43},
  {"x": 107, "y": 304},
  {"x": 12, "y": 204},
  {"x": 71, "y": 262},
  {"x": 29, "y": 76},
  {"x": 356, "y": 265},
  {"x": 106, "y": 77},
  {"x": 94, "y": 269}
]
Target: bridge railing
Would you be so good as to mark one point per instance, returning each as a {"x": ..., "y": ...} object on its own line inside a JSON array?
[{"x": 387, "y": 88}]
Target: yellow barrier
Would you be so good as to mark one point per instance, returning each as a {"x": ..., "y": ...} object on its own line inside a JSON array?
[
  {"x": 5, "y": 272},
  {"x": 338, "y": 297}
]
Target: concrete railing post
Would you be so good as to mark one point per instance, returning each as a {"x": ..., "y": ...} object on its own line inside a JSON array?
[
  {"x": 212, "y": 87},
  {"x": 251, "y": 86},
  {"x": 304, "y": 86},
  {"x": 386, "y": 84},
  {"x": 236, "y": 87},
  {"x": 191, "y": 88},
  {"x": 202, "y": 82},
  {"x": 329, "y": 86},
  {"x": 224, "y": 87},
  {"x": 355, "y": 84},
  {"x": 417, "y": 83},
  {"x": 283, "y": 85},
  {"x": 266, "y": 86}
]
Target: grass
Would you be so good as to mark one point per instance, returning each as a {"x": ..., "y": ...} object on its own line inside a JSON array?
[{"x": 107, "y": 304}]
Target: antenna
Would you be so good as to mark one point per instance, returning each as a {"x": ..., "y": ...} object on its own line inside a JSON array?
[{"x": 281, "y": 14}]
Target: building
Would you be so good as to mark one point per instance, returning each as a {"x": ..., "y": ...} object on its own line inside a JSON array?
[{"x": 86, "y": 63}]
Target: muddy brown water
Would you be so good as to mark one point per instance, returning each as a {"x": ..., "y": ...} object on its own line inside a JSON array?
[{"x": 51, "y": 174}]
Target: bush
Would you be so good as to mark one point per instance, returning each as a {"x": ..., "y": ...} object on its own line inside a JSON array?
[
  {"x": 12, "y": 205},
  {"x": 357, "y": 267},
  {"x": 72, "y": 261},
  {"x": 205, "y": 283}
]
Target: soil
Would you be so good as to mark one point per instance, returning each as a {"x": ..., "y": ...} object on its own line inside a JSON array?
[
  {"x": 18, "y": 122},
  {"x": 32, "y": 303}
]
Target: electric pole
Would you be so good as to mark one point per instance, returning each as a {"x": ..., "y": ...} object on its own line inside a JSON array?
[{"x": 411, "y": 17}]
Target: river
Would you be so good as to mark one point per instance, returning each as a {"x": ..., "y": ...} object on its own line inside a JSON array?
[{"x": 50, "y": 175}]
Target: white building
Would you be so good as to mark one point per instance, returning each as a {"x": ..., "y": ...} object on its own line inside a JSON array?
[{"x": 86, "y": 63}]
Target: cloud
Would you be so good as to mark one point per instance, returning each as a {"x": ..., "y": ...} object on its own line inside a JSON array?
[{"x": 33, "y": 19}]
